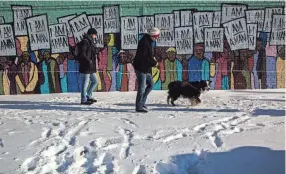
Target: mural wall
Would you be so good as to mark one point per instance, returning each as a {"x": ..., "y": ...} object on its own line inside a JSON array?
[{"x": 236, "y": 47}]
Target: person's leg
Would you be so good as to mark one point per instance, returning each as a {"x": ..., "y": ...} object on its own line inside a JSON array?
[
  {"x": 85, "y": 83},
  {"x": 141, "y": 78},
  {"x": 92, "y": 87},
  {"x": 150, "y": 84}
]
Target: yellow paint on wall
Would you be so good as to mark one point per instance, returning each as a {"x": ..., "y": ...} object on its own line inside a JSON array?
[
  {"x": 280, "y": 69},
  {"x": 231, "y": 76},
  {"x": 23, "y": 41},
  {"x": 6, "y": 84},
  {"x": 212, "y": 69},
  {"x": 111, "y": 42},
  {"x": 155, "y": 73},
  {"x": 33, "y": 78},
  {"x": 99, "y": 85},
  {"x": 37, "y": 54},
  {"x": 55, "y": 56},
  {"x": 171, "y": 50}
]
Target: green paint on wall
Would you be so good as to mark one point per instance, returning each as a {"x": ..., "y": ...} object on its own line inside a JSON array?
[{"x": 56, "y": 9}]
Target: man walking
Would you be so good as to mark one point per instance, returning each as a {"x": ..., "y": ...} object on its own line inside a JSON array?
[
  {"x": 143, "y": 63},
  {"x": 87, "y": 66}
]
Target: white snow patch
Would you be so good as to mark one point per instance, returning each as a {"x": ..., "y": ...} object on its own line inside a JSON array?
[
  {"x": 54, "y": 134},
  {"x": 29, "y": 164}
]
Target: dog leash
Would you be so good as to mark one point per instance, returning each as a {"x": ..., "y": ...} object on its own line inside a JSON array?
[{"x": 193, "y": 86}]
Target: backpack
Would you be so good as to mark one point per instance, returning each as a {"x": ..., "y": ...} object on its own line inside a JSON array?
[{"x": 76, "y": 50}]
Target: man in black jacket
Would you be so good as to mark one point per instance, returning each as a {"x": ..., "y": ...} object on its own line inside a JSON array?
[
  {"x": 143, "y": 63},
  {"x": 87, "y": 66}
]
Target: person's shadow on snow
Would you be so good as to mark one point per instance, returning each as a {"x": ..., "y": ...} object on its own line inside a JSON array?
[
  {"x": 165, "y": 107},
  {"x": 64, "y": 106},
  {"x": 242, "y": 160},
  {"x": 68, "y": 106}
]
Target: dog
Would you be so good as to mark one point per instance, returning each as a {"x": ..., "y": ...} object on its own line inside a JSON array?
[{"x": 190, "y": 90}]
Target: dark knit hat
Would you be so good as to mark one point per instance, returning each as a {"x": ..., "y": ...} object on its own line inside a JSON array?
[{"x": 91, "y": 31}]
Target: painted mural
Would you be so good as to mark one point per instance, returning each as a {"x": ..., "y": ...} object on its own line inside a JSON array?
[{"x": 235, "y": 48}]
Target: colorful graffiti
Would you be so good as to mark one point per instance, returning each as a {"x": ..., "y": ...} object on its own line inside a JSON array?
[{"x": 236, "y": 48}]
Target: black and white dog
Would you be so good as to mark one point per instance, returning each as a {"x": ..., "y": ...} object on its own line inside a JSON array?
[{"x": 190, "y": 90}]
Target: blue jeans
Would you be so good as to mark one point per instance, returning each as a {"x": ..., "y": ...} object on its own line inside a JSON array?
[
  {"x": 86, "y": 91},
  {"x": 143, "y": 90}
]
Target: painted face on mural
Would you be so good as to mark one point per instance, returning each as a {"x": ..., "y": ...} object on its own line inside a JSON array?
[
  {"x": 3, "y": 62},
  {"x": 25, "y": 57},
  {"x": 61, "y": 59},
  {"x": 106, "y": 39},
  {"x": 258, "y": 45},
  {"x": 70, "y": 56},
  {"x": 10, "y": 61},
  {"x": 125, "y": 57},
  {"x": 199, "y": 51},
  {"x": 250, "y": 53},
  {"x": 46, "y": 55},
  {"x": 225, "y": 53},
  {"x": 243, "y": 54},
  {"x": 171, "y": 55},
  {"x": 236, "y": 53}
]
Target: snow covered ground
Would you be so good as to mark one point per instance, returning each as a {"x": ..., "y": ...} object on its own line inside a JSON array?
[{"x": 230, "y": 132}]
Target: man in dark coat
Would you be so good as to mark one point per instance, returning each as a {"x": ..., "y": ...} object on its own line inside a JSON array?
[
  {"x": 143, "y": 63},
  {"x": 87, "y": 66}
]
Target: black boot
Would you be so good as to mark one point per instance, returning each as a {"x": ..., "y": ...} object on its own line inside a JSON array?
[
  {"x": 143, "y": 110},
  {"x": 92, "y": 100},
  {"x": 86, "y": 102}
]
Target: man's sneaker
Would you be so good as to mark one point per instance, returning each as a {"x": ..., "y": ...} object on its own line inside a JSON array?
[
  {"x": 86, "y": 102},
  {"x": 92, "y": 100},
  {"x": 142, "y": 110},
  {"x": 145, "y": 107}
]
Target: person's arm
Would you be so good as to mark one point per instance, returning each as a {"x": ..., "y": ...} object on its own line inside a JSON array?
[
  {"x": 151, "y": 61},
  {"x": 83, "y": 52},
  {"x": 97, "y": 52}
]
